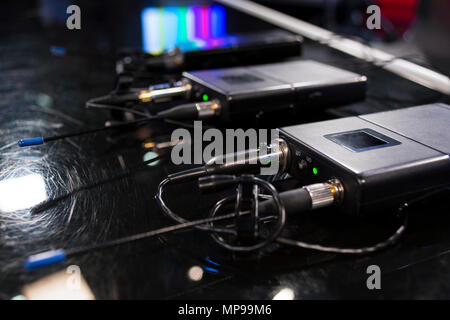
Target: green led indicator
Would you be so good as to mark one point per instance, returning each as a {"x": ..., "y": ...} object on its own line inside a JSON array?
[
  {"x": 315, "y": 171},
  {"x": 205, "y": 97}
]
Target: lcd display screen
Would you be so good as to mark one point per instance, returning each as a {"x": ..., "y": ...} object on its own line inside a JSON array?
[{"x": 361, "y": 140}]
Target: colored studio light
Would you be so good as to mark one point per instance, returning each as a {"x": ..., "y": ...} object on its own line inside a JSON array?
[
  {"x": 190, "y": 24},
  {"x": 151, "y": 35},
  {"x": 194, "y": 27},
  {"x": 206, "y": 15},
  {"x": 170, "y": 20},
  {"x": 182, "y": 28},
  {"x": 218, "y": 21},
  {"x": 198, "y": 22}
]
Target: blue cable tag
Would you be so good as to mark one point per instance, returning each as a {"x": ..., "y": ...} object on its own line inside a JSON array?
[
  {"x": 45, "y": 259},
  {"x": 31, "y": 142}
]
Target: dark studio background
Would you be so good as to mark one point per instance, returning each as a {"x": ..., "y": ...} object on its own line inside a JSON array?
[{"x": 45, "y": 93}]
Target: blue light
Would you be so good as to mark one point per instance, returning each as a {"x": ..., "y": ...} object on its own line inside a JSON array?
[
  {"x": 212, "y": 262},
  {"x": 210, "y": 269},
  {"x": 58, "y": 51},
  {"x": 218, "y": 21},
  {"x": 170, "y": 27}
]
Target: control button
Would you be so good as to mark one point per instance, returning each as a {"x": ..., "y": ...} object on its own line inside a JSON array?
[{"x": 302, "y": 164}]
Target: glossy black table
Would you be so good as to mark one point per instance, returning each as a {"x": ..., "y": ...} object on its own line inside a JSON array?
[{"x": 44, "y": 93}]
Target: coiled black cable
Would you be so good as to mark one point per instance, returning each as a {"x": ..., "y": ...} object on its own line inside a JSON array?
[
  {"x": 281, "y": 213},
  {"x": 354, "y": 251},
  {"x": 276, "y": 203}
]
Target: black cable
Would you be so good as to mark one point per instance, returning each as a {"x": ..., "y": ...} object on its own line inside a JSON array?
[
  {"x": 281, "y": 217},
  {"x": 51, "y": 257},
  {"x": 52, "y": 202},
  {"x": 120, "y": 125},
  {"x": 357, "y": 251},
  {"x": 297, "y": 200},
  {"x": 124, "y": 109},
  {"x": 181, "y": 112},
  {"x": 173, "y": 215},
  {"x": 56, "y": 256},
  {"x": 187, "y": 125},
  {"x": 244, "y": 179},
  {"x": 146, "y": 235},
  {"x": 90, "y": 104},
  {"x": 402, "y": 210},
  {"x": 41, "y": 140}
]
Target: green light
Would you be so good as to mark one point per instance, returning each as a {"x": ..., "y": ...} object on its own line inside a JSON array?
[
  {"x": 315, "y": 171},
  {"x": 205, "y": 97}
]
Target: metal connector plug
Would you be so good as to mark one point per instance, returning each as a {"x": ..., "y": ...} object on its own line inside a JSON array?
[
  {"x": 182, "y": 88},
  {"x": 208, "y": 109},
  {"x": 249, "y": 160},
  {"x": 325, "y": 194}
]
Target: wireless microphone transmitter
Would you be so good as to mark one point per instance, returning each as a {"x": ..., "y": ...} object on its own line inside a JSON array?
[
  {"x": 257, "y": 89},
  {"x": 238, "y": 50},
  {"x": 381, "y": 159}
]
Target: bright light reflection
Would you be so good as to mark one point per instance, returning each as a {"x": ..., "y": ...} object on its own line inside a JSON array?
[
  {"x": 22, "y": 193},
  {"x": 284, "y": 294},
  {"x": 149, "y": 156},
  {"x": 195, "y": 273}
]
